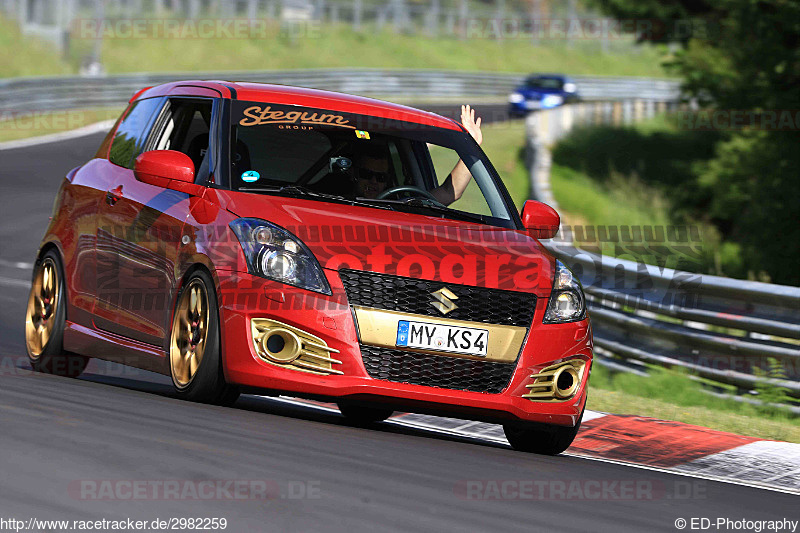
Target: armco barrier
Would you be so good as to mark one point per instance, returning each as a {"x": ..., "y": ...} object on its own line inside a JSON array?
[
  {"x": 44, "y": 94},
  {"x": 718, "y": 328}
]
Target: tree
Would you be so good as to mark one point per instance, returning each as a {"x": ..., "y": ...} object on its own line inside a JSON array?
[{"x": 742, "y": 55}]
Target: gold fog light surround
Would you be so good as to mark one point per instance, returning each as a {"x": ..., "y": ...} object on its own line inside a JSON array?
[
  {"x": 288, "y": 342},
  {"x": 556, "y": 383},
  {"x": 290, "y": 347}
]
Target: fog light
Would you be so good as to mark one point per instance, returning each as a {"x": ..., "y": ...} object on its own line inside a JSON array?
[
  {"x": 281, "y": 345},
  {"x": 566, "y": 380}
]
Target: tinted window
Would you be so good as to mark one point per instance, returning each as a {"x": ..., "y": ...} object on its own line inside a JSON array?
[
  {"x": 279, "y": 155},
  {"x": 185, "y": 127},
  {"x": 132, "y": 132},
  {"x": 544, "y": 83}
]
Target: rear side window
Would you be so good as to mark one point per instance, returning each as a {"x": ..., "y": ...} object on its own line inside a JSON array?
[{"x": 132, "y": 132}]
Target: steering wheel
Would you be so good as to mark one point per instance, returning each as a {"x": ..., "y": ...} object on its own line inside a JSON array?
[{"x": 408, "y": 188}]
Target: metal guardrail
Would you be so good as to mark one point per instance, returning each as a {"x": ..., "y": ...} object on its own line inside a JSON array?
[
  {"x": 718, "y": 328},
  {"x": 58, "y": 93}
]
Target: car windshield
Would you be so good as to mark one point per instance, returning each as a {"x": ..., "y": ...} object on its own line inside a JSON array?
[
  {"x": 384, "y": 163},
  {"x": 538, "y": 82}
]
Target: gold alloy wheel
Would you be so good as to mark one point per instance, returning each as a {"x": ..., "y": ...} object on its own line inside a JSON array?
[
  {"x": 189, "y": 333},
  {"x": 40, "y": 318}
]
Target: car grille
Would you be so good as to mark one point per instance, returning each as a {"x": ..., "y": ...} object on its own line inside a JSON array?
[
  {"x": 436, "y": 371},
  {"x": 409, "y": 295}
]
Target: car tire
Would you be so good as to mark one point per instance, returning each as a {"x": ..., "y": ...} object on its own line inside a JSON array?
[
  {"x": 45, "y": 320},
  {"x": 195, "y": 356},
  {"x": 362, "y": 415},
  {"x": 544, "y": 439}
]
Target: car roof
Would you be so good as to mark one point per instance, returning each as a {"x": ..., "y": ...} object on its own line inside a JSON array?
[{"x": 289, "y": 95}]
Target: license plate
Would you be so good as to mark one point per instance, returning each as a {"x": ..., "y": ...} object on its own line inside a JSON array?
[{"x": 441, "y": 338}]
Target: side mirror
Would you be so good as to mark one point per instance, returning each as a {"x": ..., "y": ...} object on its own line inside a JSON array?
[
  {"x": 166, "y": 168},
  {"x": 540, "y": 219}
]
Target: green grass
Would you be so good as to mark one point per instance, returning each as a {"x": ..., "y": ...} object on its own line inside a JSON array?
[
  {"x": 620, "y": 201},
  {"x": 641, "y": 175},
  {"x": 588, "y": 205},
  {"x": 23, "y": 56},
  {"x": 24, "y": 125},
  {"x": 669, "y": 395},
  {"x": 341, "y": 47},
  {"x": 504, "y": 143},
  {"x": 330, "y": 46}
]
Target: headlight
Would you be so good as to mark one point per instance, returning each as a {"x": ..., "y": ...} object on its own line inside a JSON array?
[
  {"x": 552, "y": 100},
  {"x": 274, "y": 253},
  {"x": 515, "y": 98},
  {"x": 570, "y": 88},
  {"x": 567, "y": 303}
]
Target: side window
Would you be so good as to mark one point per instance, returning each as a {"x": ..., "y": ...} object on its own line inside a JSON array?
[
  {"x": 472, "y": 200},
  {"x": 185, "y": 127},
  {"x": 132, "y": 132}
]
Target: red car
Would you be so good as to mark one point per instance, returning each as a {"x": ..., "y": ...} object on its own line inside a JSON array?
[{"x": 248, "y": 238}]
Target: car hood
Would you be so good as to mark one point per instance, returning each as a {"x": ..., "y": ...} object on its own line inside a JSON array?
[{"x": 404, "y": 244}]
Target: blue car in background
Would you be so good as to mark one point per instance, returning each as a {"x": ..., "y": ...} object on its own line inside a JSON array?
[{"x": 542, "y": 91}]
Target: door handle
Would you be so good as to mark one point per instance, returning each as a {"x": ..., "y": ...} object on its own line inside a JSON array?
[{"x": 114, "y": 195}]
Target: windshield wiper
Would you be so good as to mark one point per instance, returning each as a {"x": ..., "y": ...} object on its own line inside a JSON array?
[
  {"x": 427, "y": 203},
  {"x": 297, "y": 190}
]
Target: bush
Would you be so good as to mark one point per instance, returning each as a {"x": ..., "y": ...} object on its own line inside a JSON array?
[
  {"x": 740, "y": 188},
  {"x": 657, "y": 153}
]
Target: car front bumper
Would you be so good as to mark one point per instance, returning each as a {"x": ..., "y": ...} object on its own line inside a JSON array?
[{"x": 243, "y": 297}]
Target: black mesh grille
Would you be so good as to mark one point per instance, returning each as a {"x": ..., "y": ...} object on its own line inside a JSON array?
[
  {"x": 436, "y": 371},
  {"x": 409, "y": 295}
]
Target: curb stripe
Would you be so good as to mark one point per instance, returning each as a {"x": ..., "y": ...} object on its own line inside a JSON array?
[
  {"x": 652, "y": 442},
  {"x": 643, "y": 443},
  {"x": 765, "y": 461}
]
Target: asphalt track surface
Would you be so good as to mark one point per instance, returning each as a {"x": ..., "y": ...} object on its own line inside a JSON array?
[{"x": 116, "y": 424}]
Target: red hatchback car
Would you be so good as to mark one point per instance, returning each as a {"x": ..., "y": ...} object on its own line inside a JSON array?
[{"x": 264, "y": 239}]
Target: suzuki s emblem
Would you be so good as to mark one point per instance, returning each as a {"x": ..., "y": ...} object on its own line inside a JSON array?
[{"x": 444, "y": 300}]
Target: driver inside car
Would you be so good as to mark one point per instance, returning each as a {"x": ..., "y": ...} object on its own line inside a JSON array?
[{"x": 372, "y": 175}]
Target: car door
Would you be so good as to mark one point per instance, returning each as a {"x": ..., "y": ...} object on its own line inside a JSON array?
[
  {"x": 85, "y": 194},
  {"x": 141, "y": 227}
]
